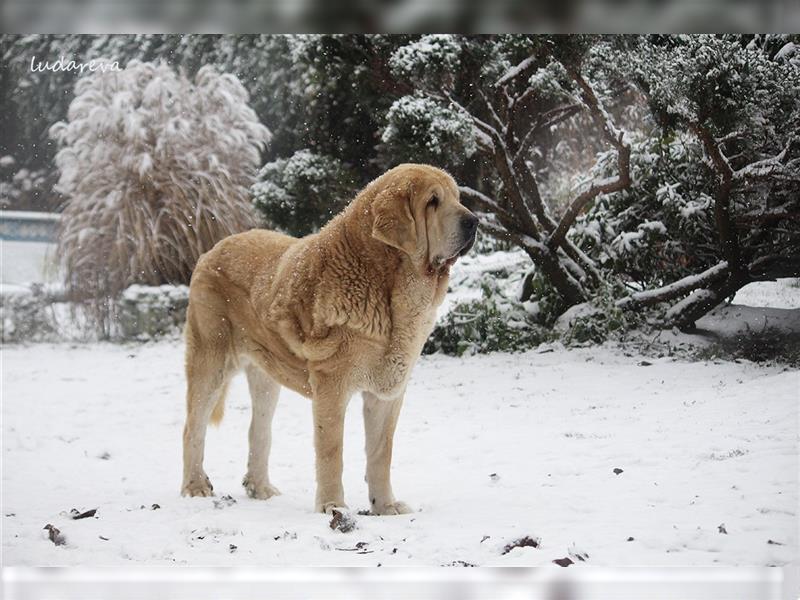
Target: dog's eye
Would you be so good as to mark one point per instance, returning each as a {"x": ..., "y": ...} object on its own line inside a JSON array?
[{"x": 434, "y": 201}]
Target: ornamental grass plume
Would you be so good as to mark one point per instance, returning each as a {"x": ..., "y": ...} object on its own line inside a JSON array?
[{"x": 155, "y": 169}]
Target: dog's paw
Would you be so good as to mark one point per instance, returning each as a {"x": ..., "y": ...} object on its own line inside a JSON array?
[
  {"x": 198, "y": 487},
  {"x": 392, "y": 508},
  {"x": 261, "y": 491},
  {"x": 329, "y": 507}
]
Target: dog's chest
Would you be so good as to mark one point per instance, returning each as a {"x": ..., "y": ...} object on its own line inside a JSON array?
[{"x": 413, "y": 315}]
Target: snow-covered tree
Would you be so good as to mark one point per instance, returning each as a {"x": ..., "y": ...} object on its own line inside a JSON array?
[
  {"x": 301, "y": 193},
  {"x": 448, "y": 135},
  {"x": 658, "y": 230},
  {"x": 156, "y": 169},
  {"x": 324, "y": 98},
  {"x": 509, "y": 95},
  {"x": 740, "y": 103},
  {"x": 683, "y": 150}
]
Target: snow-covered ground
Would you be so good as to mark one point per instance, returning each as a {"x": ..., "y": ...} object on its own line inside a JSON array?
[
  {"x": 783, "y": 293},
  {"x": 490, "y": 449}
]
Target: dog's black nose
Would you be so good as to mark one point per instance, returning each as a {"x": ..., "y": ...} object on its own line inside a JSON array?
[{"x": 469, "y": 224}]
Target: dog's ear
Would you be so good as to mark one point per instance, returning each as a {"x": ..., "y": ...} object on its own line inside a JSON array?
[{"x": 393, "y": 223}]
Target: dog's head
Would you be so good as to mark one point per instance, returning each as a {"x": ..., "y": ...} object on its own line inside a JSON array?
[{"x": 417, "y": 210}]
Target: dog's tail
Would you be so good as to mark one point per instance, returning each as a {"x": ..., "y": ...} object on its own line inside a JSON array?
[{"x": 219, "y": 408}]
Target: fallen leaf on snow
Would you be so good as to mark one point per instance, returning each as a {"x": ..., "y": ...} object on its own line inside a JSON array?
[
  {"x": 522, "y": 542},
  {"x": 563, "y": 562},
  {"x": 342, "y": 521},
  {"x": 224, "y": 501},
  {"x": 55, "y": 535}
]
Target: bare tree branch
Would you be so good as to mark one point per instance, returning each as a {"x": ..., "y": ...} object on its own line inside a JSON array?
[
  {"x": 498, "y": 123},
  {"x": 774, "y": 266},
  {"x": 511, "y": 186},
  {"x": 542, "y": 123},
  {"x": 606, "y": 186},
  {"x": 484, "y": 201}
]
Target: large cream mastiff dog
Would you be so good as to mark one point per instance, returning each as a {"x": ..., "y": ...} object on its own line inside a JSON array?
[{"x": 341, "y": 311}]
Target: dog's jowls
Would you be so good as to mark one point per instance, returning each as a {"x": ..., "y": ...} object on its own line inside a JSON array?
[{"x": 341, "y": 311}]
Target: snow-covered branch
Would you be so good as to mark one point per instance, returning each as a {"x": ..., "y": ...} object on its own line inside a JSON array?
[
  {"x": 675, "y": 289},
  {"x": 498, "y": 123},
  {"x": 523, "y": 68},
  {"x": 766, "y": 167},
  {"x": 602, "y": 119}
]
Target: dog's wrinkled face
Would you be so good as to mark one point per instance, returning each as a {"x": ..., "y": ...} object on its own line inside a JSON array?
[{"x": 419, "y": 212}]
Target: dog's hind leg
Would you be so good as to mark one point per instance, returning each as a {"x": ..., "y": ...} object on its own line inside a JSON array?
[
  {"x": 264, "y": 392},
  {"x": 208, "y": 372}
]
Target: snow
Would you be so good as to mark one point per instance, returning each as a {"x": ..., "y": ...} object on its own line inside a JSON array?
[
  {"x": 566, "y": 320},
  {"x": 499, "y": 445},
  {"x": 156, "y": 293},
  {"x": 431, "y": 51},
  {"x": 783, "y": 293}
]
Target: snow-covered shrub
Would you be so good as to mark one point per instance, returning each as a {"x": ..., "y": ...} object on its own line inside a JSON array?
[
  {"x": 426, "y": 131},
  {"x": 434, "y": 58},
  {"x": 147, "y": 312},
  {"x": 487, "y": 325},
  {"x": 486, "y": 244},
  {"x": 483, "y": 311},
  {"x": 25, "y": 315},
  {"x": 156, "y": 169},
  {"x": 26, "y": 189},
  {"x": 301, "y": 193},
  {"x": 715, "y": 185},
  {"x": 597, "y": 320},
  {"x": 40, "y": 313}
]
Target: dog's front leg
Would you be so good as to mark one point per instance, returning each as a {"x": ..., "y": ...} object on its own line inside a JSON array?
[
  {"x": 329, "y": 404},
  {"x": 380, "y": 420}
]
